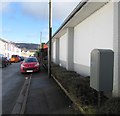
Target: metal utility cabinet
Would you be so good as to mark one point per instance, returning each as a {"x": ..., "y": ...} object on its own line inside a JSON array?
[{"x": 101, "y": 70}]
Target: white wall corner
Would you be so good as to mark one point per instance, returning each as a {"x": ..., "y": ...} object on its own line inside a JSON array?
[
  {"x": 57, "y": 51},
  {"x": 119, "y": 48},
  {"x": 70, "y": 48}
]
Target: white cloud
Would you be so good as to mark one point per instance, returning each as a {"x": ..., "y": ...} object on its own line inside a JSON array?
[
  {"x": 4, "y": 6},
  {"x": 40, "y": 1},
  {"x": 38, "y": 10},
  {"x": 60, "y": 10}
]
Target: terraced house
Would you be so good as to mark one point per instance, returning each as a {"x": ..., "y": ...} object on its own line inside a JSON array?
[
  {"x": 91, "y": 25},
  {"x": 7, "y": 49}
]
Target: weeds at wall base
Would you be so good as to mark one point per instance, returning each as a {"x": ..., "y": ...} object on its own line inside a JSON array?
[{"x": 78, "y": 87}]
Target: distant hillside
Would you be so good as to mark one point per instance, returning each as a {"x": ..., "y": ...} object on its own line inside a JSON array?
[{"x": 28, "y": 46}]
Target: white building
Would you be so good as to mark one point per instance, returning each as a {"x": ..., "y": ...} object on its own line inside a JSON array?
[
  {"x": 25, "y": 53},
  {"x": 91, "y": 25},
  {"x": 8, "y": 49},
  {"x": 2, "y": 47}
]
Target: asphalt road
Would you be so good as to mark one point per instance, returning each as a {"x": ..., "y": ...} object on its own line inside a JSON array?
[
  {"x": 12, "y": 81},
  {"x": 45, "y": 97}
]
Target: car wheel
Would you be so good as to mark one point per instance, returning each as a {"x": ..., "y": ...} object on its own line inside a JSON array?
[
  {"x": 38, "y": 71},
  {"x": 22, "y": 72}
]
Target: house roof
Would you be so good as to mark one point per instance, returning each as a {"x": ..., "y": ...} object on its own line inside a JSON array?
[
  {"x": 83, "y": 10},
  {"x": 3, "y": 40}
]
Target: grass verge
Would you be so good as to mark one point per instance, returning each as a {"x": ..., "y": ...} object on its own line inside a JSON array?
[{"x": 78, "y": 89}]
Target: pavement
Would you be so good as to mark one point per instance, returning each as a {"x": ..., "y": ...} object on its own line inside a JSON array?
[{"x": 45, "y": 96}]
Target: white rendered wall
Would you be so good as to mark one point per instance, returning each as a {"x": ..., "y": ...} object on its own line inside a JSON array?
[
  {"x": 94, "y": 32},
  {"x": 2, "y": 47},
  {"x": 116, "y": 85},
  {"x": 119, "y": 49},
  {"x": 53, "y": 50},
  {"x": 57, "y": 51},
  {"x": 63, "y": 50},
  {"x": 70, "y": 47}
]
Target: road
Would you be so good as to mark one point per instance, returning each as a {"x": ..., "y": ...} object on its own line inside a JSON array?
[
  {"x": 12, "y": 81},
  {"x": 44, "y": 95}
]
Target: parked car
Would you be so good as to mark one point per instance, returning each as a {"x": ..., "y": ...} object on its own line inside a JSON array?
[
  {"x": 8, "y": 60},
  {"x": 15, "y": 58},
  {"x": 30, "y": 64},
  {"x": 3, "y": 62},
  {"x": 21, "y": 58}
]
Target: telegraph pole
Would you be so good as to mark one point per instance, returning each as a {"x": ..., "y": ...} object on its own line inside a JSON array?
[
  {"x": 40, "y": 40},
  {"x": 40, "y": 52},
  {"x": 50, "y": 36},
  {"x": 39, "y": 45}
]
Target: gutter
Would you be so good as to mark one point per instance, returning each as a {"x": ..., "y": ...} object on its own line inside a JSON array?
[{"x": 79, "y": 6}]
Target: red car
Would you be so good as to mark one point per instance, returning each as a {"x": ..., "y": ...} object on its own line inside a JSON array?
[{"x": 30, "y": 64}]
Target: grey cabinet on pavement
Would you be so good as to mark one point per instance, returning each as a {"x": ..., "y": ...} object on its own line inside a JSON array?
[{"x": 101, "y": 70}]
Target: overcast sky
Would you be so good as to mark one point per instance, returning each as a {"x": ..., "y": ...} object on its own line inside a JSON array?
[{"x": 23, "y": 21}]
